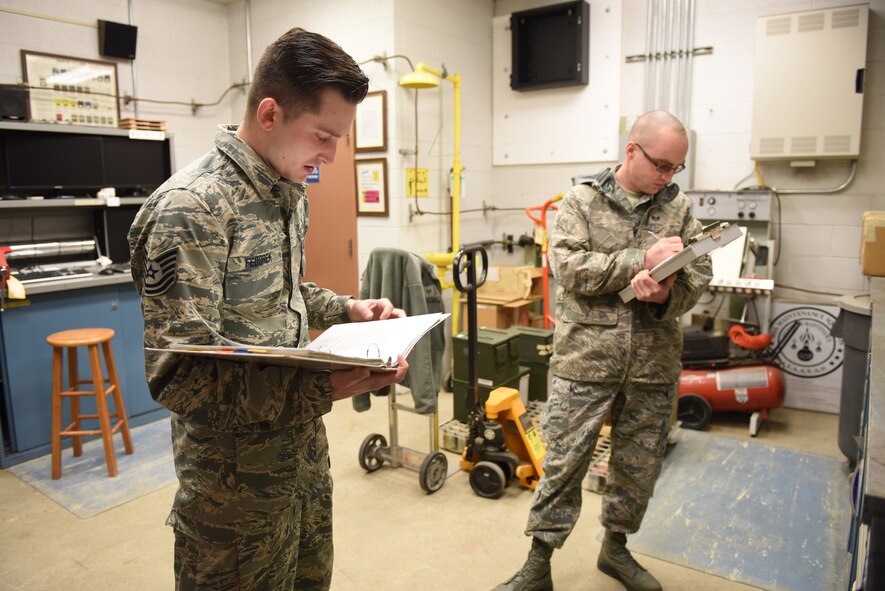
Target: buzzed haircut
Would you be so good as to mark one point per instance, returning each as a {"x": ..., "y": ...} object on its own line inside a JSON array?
[
  {"x": 652, "y": 122},
  {"x": 296, "y": 68}
]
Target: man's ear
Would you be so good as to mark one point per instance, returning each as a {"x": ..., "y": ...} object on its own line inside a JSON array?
[
  {"x": 268, "y": 113},
  {"x": 629, "y": 150}
]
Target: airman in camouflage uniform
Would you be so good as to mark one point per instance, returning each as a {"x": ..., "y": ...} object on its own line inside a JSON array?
[
  {"x": 610, "y": 356},
  {"x": 218, "y": 253}
]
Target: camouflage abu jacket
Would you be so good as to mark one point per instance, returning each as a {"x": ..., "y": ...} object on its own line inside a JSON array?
[
  {"x": 597, "y": 245},
  {"x": 218, "y": 251}
]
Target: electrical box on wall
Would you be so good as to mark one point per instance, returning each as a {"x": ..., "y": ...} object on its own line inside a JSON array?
[
  {"x": 808, "y": 84},
  {"x": 551, "y": 46}
]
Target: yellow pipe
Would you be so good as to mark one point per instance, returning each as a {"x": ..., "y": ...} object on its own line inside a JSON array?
[
  {"x": 457, "y": 169},
  {"x": 456, "y": 193}
]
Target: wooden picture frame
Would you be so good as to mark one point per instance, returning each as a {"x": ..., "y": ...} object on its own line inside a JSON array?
[
  {"x": 371, "y": 187},
  {"x": 370, "y": 129},
  {"x": 69, "y": 90}
]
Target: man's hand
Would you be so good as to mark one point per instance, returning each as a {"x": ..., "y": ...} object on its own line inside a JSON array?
[
  {"x": 662, "y": 250},
  {"x": 647, "y": 289},
  {"x": 365, "y": 310},
  {"x": 350, "y": 382}
]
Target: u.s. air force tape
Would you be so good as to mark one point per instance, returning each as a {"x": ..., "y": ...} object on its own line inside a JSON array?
[{"x": 159, "y": 273}]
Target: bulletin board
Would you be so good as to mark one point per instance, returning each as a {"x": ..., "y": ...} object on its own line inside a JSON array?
[{"x": 559, "y": 125}]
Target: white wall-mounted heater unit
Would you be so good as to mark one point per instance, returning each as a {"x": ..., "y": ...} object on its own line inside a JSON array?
[{"x": 808, "y": 84}]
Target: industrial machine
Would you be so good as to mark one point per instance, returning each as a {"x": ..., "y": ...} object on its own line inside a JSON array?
[{"x": 502, "y": 442}]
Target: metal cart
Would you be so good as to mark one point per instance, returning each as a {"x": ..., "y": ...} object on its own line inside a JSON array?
[{"x": 432, "y": 467}]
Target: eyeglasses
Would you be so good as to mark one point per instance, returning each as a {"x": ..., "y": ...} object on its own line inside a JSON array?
[{"x": 662, "y": 168}]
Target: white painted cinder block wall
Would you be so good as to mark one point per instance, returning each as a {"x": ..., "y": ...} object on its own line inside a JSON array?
[
  {"x": 821, "y": 234},
  {"x": 181, "y": 55},
  {"x": 193, "y": 49},
  {"x": 454, "y": 33}
]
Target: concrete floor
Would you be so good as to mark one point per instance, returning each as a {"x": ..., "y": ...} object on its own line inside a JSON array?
[{"x": 389, "y": 534}]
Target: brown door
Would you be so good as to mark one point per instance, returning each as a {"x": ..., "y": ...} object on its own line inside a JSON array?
[{"x": 331, "y": 248}]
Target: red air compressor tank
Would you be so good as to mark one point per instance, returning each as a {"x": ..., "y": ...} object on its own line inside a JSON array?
[{"x": 751, "y": 388}]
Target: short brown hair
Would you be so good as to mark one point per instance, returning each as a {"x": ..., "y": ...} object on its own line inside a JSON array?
[{"x": 297, "y": 67}]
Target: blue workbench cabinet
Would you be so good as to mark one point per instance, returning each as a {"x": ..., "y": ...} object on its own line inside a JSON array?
[{"x": 26, "y": 361}]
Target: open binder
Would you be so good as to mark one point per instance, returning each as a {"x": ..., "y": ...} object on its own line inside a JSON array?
[{"x": 375, "y": 345}]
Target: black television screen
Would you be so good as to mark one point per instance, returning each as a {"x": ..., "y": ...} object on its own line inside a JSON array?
[
  {"x": 53, "y": 161},
  {"x": 141, "y": 165}
]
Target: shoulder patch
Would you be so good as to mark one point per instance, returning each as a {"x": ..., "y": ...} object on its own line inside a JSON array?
[{"x": 159, "y": 274}]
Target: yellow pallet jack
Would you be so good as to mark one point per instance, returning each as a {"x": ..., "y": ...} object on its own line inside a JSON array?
[{"x": 502, "y": 442}]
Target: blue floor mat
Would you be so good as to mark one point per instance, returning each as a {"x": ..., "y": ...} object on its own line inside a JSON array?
[
  {"x": 766, "y": 516},
  {"x": 85, "y": 489}
]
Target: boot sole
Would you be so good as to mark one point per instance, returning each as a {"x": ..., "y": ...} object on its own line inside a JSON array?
[{"x": 610, "y": 571}]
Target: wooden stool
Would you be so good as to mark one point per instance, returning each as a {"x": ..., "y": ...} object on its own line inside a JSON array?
[{"x": 91, "y": 338}]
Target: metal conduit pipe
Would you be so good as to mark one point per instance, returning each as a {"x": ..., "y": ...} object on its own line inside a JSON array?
[
  {"x": 648, "y": 65},
  {"x": 663, "y": 90},
  {"x": 820, "y": 191},
  {"x": 686, "y": 52},
  {"x": 659, "y": 52},
  {"x": 689, "y": 54}
]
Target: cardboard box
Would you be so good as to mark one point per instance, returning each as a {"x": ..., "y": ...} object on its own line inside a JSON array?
[
  {"x": 872, "y": 249},
  {"x": 507, "y": 284},
  {"x": 500, "y": 315},
  {"x": 505, "y": 299}
]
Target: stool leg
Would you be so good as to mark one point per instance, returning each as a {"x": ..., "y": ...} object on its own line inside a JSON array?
[
  {"x": 102, "y": 404},
  {"x": 57, "y": 361},
  {"x": 118, "y": 396},
  {"x": 74, "y": 381}
]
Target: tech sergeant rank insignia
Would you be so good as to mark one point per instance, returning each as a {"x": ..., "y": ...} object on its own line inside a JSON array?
[{"x": 159, "y": 274}]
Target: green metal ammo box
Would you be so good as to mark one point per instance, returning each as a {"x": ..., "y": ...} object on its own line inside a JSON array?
[
  {"x": 497, "y": 358},
  {"x": 534, "y": 347}
]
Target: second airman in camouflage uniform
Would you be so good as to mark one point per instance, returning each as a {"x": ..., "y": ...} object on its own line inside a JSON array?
[
  {"x": 217, "y": 254},
  {"x": 611, "y": 356}
]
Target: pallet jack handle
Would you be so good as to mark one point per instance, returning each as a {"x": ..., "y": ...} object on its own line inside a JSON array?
[{"x": 466, "y": 262}]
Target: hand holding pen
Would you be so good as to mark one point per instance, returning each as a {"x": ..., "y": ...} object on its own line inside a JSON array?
[{"x": 661, "y": 250}]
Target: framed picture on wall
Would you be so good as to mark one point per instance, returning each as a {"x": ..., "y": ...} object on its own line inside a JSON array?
[
  {"x": 371, "y": 187},
  {"x": 71, "y": 90},
  {"x": 370, "y": 130}
]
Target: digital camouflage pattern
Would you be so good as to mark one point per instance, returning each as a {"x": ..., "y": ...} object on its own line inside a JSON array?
[
  {"x": 608, "y": 355},
  {"x": 261, "y": 517},
  {"x": 244, "y": 435},
  {"x": 597, "y": 245},
  {"x": 571, "y": 421}
]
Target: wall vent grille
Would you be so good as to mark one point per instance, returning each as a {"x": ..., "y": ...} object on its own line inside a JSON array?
[
  {"x": 778, "y": 26},
  {"x": 811, "y": 22},
  {"x": 846, "y": 18}
]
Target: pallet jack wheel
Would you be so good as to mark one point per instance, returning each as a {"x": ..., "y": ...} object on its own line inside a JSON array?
[
  {"x": 507, "y": 471},
  {"x": 487, "y": 480},
  {"x": 369, "y": 459},
  {"x": 434, "y": 470},
  {"x": 694, "y": 411}
]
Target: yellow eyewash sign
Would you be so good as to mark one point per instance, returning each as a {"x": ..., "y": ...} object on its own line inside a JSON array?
[{"x": 416, "y": 187}]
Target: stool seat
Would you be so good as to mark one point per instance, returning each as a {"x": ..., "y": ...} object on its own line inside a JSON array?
[
  {"x": 80, "y": 337},
  {"x": 91, "y": 338}
]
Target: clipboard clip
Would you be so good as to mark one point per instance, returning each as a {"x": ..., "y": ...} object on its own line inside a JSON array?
[{"x": 712, "y": 230}]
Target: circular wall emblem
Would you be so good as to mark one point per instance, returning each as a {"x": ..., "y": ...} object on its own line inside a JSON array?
[{"x": 810, "y": 351}]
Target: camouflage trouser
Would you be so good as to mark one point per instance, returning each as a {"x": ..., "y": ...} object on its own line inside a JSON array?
[
  {"x": 253, "y": 511},
  {"x": 572, "y": 419}
]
